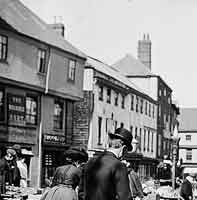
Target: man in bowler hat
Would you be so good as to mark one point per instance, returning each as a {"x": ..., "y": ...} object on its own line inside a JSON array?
[{"x": 106, "y": 177}]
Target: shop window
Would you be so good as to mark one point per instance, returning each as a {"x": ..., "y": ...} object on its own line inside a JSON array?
[
  {"x": 58, "y": 115},
  {"x": 100, "y": 93},
  {"x": 2, "y": 105},
  {"x": 42, "y": 61},
  {"x": 116, "y": 99},
  {"x": 71, "y": 70},
  {"x": 16, "y": 110},
  {"x": 31, "y": 110},
  {"x": 108, "y": 95},
  {"x": 3, "y": 47},
  {"x": 189, "y": 154}
]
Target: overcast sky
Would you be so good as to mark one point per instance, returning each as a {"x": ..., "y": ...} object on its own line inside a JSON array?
[{"x": 109, "y": 29}]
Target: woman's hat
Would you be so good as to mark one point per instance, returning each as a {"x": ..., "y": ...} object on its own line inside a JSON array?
[
  {"x": 124, "y": 135},
  {"x": 76, "y": 154}
]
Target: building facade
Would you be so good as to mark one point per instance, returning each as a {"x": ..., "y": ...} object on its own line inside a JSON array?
[
  {"x": 114, "y": 102},
  {"x": 41, "y": 76},
  {"x": 139, "y": 72},
  {"x": 188, "y": 136}
]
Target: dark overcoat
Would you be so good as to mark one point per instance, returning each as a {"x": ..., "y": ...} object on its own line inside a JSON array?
[
  {"x": 4, "y": 168},
  {"x": 104, "y": 178},
  {"x": 186, "y": 190}
]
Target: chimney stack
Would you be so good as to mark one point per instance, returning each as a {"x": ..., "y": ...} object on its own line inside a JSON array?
[
  {"x": 58, "y": 26},
  {"x": 144, "y": 50}
]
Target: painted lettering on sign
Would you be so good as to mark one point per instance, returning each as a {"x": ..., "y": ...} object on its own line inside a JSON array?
[{"x": 54, "y": 139}]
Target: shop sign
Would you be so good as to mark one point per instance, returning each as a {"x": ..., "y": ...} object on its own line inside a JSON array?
[
  {"x": 16, "y": 109},
  {"x": 54, "y": 139}
]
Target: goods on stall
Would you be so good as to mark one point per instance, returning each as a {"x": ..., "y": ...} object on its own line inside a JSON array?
[{"x": 168, "y": 192}]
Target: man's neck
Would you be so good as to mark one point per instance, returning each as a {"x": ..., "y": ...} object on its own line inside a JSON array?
[{"x": 114, "y": 151}]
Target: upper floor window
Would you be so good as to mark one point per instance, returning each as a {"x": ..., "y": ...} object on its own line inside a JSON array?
[
  {"x": 169, "y": 100},
  {"x": 160, "y": 92},
  {"x": 132, "y": 102},
  {"x": 164, "y": 92},
  {"x": 1, "y": 105},
  {"x": 116, "y": 99},
  {"x": 58, "y": 114},
  {"x": 42, "y": 60},
  {"x": 71, "y": 70},
  {"x": 189, "y": 154},
  {"x": 3, "y": 47},
  {"x": 100, "y": 93},
  {"x": 137, "y": 103},
  {"x": 141, "y": 106},
  {"x": 123, "y": 101},
  {"x": 108, "y": 95},
  {"x": 153, "y": 111},
  {"x": 99, "y": 130},
  {"x": 146, "y": 108},
  {"x": 31, "y": 110},
  {"x": 149, "y": 112},
  {"x": 188, "y": 137}
]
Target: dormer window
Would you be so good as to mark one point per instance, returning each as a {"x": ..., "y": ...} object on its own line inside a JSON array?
[{"x": 42, "y": 61}]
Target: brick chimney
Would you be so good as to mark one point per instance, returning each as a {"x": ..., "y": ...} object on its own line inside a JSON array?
[
  {"x": 144, "y": 50},
  {"x": 58, "y": 26}
]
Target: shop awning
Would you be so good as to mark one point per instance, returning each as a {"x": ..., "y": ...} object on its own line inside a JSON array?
[{"x": 190, "y": 170}]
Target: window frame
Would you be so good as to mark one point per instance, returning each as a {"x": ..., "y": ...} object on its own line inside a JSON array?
[
  {"x": 58, "y": 118},
  {"x": 42, "y": 65},
  {"x": 100, "y": 119},
  {"x": 116, "y": 98},
  {"x": 35, "y": 98},
  {"x": 188, "y": 137},
  {"x": 72, "y": 70},
  {"x": 3, "y": 47},
  {"x": 123, "y": 102},
  {"x": 100, "y": 93},
  {"x": 132, "y": 102},
  {"x": 188, "y": 156},
  {"x": 108, "y": 95}
]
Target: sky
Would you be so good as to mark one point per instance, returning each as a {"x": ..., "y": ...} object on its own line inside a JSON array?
[{"x": 109, "y": 29}]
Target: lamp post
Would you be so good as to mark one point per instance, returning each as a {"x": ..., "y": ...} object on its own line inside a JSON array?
[{"x": 175, "y": 140}]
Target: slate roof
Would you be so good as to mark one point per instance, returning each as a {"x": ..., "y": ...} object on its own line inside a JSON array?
[
  {"x": 129, "y": 65},
  {"x": 26, "y": 22},
  {"x": 111, "y": 71},
  {"x": 188, "y": 119}
]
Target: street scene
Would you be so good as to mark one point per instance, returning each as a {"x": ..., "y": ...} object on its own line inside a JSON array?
[{"x": 94, "y": 100}]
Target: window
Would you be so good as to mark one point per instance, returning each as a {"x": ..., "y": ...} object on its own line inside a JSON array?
[
  {"x": 148, "y": 140},
  {"x": 132, "y": 102},
  {"x": 160, "y": 92},
  {"x": 146, "y": 108},
  {"x": 140, "y": 136},
  {"x": 1, "y": 105},
  {"x": 188, "y": 137},
  {"x": 123, "y": 101},
  {"x": 71, "y": 70},
  {"x": 144, "y": 139},
  {"x": 164, "y": 92},
  {"x": 100, "y": 95},
  {"x": 189, "y": 154},
  {"x": 152, "y": 141},
  {"x": 31, "y": 110},
  {"x": 137, "y": 103},
  {"x": 42, "y": 61},
  {"x": 116, "y": 99},
  {"x": 58, "y": 115},
  {"x": 141, "y": 106},
  {"x": 153, "y": 111},
  {"x": 135, "y": 133},
  {"x": 108, "y": 95},
  {"x": 3, "y": 47},
  {"x": 149, "y": 112},
  {"x": 99, "y": 130}
]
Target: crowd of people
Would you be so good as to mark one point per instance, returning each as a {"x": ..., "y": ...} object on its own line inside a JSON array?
[{"x": 105, "y": 177}]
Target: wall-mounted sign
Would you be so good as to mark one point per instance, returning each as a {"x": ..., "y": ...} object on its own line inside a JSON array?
[
  {"x": 54, "y": 139},
  {"x": 16, "y": 109}
]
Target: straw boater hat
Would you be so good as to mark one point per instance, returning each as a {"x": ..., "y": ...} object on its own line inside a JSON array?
[
  {"x": 124, "y": 135},
  {"x": 76, "y": 154}
]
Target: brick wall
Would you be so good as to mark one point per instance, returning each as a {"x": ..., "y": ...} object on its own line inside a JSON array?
[{"x": 81, "y": 117}]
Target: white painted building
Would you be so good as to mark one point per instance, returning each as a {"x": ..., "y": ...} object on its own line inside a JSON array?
[
  {"x": 188, "y": 139},
  {"x": 118, "y": 102}
]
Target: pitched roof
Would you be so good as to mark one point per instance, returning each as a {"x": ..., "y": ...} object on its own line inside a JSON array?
[
  {"x": 26, "y": 22},
  {"x": 129, "y": 65},
  {"x": 188, "y": 119},
  {"x": 111, "y": 71}
]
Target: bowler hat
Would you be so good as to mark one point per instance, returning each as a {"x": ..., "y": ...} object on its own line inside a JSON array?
[
  {"x": 124, "y": 135},
  {"x": 76, "y": 154}
]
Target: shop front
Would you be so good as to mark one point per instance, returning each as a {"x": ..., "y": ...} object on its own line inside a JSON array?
[{"x": 52, "y": 155}]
